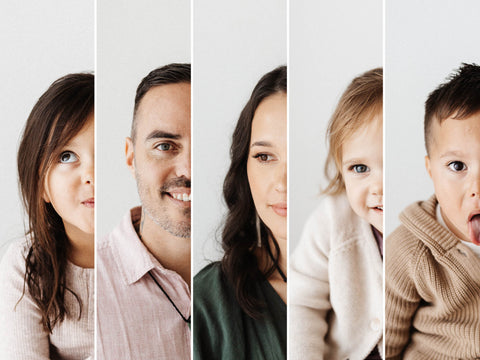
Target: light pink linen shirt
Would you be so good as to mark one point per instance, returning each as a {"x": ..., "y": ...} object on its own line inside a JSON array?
[{"x": 135, "y": 318}]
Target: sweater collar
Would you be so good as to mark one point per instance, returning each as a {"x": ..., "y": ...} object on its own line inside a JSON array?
[{"x": 421, "y": 220}]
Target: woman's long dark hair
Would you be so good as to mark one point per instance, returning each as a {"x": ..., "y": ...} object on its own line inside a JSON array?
[
  {"x": 59, "y": 114},
  {"x": 239, "y": 237}
]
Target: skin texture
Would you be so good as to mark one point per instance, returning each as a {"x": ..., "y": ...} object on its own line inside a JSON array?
[
  {"x": 453, "y": 164},
  {"x": 362, "y": 170},
  {"x": 68, "y": 186},
  {"x": 160, "y": 162},
  {"x": 267, "y": 173}
]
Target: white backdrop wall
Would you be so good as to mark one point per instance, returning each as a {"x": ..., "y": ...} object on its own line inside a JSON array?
[
  {"x": 41, "y": 41},
  {"x": 330, "y": 44},
  {"x": 235, "y": 43},
  {"x": 133, "y": 38},
  {"x": 425, "y": 42}
]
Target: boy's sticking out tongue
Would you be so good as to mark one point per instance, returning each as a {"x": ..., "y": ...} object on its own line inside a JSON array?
[{"x": 474, "y": 229}]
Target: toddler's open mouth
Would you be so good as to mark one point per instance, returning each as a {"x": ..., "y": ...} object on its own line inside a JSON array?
[{"x": 474, "y": 228}]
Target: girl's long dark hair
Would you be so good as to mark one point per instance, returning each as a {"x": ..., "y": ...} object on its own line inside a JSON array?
[
  {"x": 59, "y": 114},
  {"x": 239, "y": 237}
]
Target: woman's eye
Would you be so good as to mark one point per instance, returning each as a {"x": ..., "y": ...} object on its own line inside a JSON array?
[
  {"x": 360, "y": 169},
  {"x": 457, "y": 166},
  {"x": 263, "y": 157},
  {"x": 164, "y": 146},
  {"x": 68, "y": 157}
]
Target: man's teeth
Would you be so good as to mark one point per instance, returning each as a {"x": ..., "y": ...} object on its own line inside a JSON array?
[
  {"x": 181, "y": 197},
  {"x": 380, "y": 207}
]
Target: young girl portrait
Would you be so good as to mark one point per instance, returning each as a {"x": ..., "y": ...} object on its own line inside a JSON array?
[
  {"x": 336, "y": 306},
  {"x": 47, "y": 278}
]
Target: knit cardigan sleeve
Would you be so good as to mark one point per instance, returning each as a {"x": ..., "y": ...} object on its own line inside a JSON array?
[
  {"x": 401, "y": 296},
  {"x": 21, "y": 333},
  {"x": 310, "y": 290}
]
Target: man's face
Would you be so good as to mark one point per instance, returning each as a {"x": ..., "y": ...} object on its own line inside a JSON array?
[
  {"x": 160, "y": 158},
  {"x": 454, "y": 166}
]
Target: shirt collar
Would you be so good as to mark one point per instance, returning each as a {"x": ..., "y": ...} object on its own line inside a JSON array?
[{"x": 134, "y": 260}]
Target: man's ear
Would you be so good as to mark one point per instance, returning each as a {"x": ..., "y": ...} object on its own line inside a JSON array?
[
  {"x": 129, "y": 155},
  {"x": 427, "y": 166}
]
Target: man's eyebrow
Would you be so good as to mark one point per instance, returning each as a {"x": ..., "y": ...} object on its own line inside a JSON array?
[
  {"x": 261, "y": 143},
  {"x": 160, "y": 134}
]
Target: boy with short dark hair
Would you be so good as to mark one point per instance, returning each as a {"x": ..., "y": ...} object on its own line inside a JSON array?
[{"x": 433, "y": 258}]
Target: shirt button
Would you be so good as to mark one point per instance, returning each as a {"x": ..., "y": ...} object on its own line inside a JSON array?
[{"x": 375, "y": 324}]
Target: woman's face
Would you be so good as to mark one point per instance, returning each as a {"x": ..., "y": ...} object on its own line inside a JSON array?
[
  {"x": 69, "y": 184},
  {"x": 267, "y": 163}
]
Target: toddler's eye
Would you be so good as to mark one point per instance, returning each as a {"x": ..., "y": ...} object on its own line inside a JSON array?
[
  {"x": 164, "y": 146},
  {"x": 360, "y": 169},
  {"x": 263, "y": 157},
  {"x": 457, "y": 166},
  {"x": 68, "y": 157}
]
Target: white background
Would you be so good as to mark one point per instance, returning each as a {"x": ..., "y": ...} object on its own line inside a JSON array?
[
  {"x": 41, "y": 41},
  {"x": 425, "y": 41},
  {"x": 330, "y": 44},
  {"x": 235, "y": 44},
  {"x": 133, "y": 38}
]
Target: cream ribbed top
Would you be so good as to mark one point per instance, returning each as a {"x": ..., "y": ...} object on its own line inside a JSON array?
[
  {"x": 21, "y": 333},
  {"x": 432, "y": 290}
]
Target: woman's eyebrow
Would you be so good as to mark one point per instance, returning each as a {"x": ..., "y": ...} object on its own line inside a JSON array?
[
  {"x": 261, "y": 143},
  {"x": 160, "y": 134}
]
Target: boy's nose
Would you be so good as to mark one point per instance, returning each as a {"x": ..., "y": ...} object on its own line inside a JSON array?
[{"x": 475, "y": 188}]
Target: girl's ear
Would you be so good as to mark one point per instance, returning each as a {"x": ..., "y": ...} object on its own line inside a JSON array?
[{"x": 45, "y": 196}]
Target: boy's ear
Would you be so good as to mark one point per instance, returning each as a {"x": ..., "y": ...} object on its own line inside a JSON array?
[
  {"x": 427, "y": 166},
  {"x": 129, "y": 155}
]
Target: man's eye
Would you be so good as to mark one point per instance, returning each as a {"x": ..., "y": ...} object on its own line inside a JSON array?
[
  {"x": 360, "y": 169},
  {"x": 457, "y": 166},
  {"x": 164, "y": 147},
  {"x": 68, "y": 157}
]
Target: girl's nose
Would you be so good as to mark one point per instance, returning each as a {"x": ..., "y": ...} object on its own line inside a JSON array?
[{"x": 376, "y": 187}]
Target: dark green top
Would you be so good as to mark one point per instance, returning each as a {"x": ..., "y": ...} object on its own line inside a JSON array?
[{"x": 221, "y": 330}]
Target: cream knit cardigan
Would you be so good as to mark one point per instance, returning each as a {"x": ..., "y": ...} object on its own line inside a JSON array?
[
  {"x": 432, "y": 290},
  {"x": 22, "y": 336},
  {"x": 335, "y": 287}
]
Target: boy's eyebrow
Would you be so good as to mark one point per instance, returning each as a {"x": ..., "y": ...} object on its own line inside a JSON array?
[
  {"x": 451, "y": 153},
  {"x": 261, "y": 143},
  {"x": 160, "y": 134}
]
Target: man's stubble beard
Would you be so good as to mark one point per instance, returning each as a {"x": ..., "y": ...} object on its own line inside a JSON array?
[{"x": 159, "y": 213}]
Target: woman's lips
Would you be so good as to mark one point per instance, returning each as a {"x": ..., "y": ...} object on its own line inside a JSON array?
[
  {"x": 89, "y": 203},
  {"x": 280, "y": 209}
]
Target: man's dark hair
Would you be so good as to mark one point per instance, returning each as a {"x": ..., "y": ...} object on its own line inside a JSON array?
[
  {"x": 458, "y": 98},
  {"x": 168, "y": 74}
]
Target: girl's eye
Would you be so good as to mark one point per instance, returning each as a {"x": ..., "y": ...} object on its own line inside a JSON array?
[
  {"x": 164, "y": 146},
  {"x": 457, "y": 166},
  {"x": 67, "y": 157},
  {"x": 360, "y": 169},
  {"x": 263, "y": 157}
]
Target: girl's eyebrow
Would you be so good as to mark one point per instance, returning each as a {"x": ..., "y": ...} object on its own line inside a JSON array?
[
  {"x": 352, "y": 161},
  {"x": 261, "y": 143}
]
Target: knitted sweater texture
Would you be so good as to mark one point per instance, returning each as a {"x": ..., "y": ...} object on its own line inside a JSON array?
[{"x": 432, "y": 290}]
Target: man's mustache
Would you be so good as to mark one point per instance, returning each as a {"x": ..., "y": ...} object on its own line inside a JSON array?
[{"x": 175, "y": 183}]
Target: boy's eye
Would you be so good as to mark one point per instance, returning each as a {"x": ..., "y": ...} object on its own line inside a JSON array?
[
  {"x": 263, "y": 157},
  {"x": 457, "y": 166},
  {"x": 164, "y": 146},
  {"x": 68, "y": 157},
  {"x": 360, "y": 169}
]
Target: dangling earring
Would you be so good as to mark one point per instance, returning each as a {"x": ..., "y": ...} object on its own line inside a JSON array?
[{"x": 259, "y": 233}]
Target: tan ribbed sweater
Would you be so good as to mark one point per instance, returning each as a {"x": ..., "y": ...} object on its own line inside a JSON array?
[
  {"x": 22, "y": 336},
  {"x": 432, "y": 290}
]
